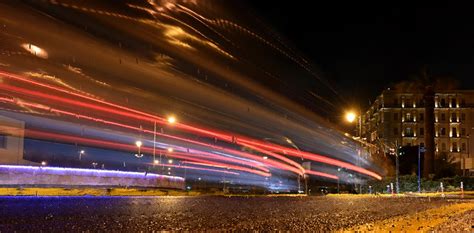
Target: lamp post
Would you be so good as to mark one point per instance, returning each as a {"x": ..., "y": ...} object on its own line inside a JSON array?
[
  {"x": 139, "y": 145},
  {"x": 81, "y": 153},
  {"x": 351, "y": 117},
  {"x": 339, "y": 176}
]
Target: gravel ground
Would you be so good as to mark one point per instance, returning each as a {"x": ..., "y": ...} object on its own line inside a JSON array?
[
  {"x": 132, "y": 214},
  {"x": 464, "y": 222}
]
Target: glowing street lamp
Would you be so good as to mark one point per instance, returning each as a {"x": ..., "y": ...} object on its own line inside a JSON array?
[
  {"x": 170, "y": 149},
  {"x": 156, "y": 161},
  {"x": 171, "y": 119},
  {"x": 81, "y": 153},
  {"x": 265, "y": 157},
  {"x": 43, "y": 163},
  {"x": 139, "y": 145},
  {"x": 350, "y": 117},
  {"x": 170, "y": 161}
]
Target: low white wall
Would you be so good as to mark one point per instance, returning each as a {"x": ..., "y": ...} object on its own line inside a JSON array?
[{"x": 50, "y": 176}]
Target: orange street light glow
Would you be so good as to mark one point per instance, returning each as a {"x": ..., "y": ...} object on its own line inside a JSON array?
[{"x": 350, "y": 117}]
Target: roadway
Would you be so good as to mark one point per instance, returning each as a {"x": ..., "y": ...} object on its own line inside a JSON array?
[{"x": 133, "y": 214}]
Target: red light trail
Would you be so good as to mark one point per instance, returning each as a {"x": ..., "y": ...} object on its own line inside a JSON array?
[{"x": 262, "y": 147}]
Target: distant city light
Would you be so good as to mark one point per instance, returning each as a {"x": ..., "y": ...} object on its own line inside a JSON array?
[
  {"x": 170, "y": 149},
  {"x": 265, "y": 157},
  {"x": 156, "y": 162},
  {"x": 170, "y": 161},
  {"x": 43, "y": 163}
]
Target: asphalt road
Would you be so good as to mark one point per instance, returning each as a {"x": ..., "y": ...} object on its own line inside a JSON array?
[{"x": 132, "y": 214}]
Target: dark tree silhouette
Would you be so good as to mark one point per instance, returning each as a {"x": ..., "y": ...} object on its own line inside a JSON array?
[{"x": 428, "y": 85}]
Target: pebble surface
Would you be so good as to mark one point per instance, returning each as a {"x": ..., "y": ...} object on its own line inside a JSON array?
[{"x": 132, "y": 214}]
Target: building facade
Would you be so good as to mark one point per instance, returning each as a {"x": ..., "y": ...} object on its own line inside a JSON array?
[
  {"x": 11, "y": 141},
  {"x": 397, "y": 118}
]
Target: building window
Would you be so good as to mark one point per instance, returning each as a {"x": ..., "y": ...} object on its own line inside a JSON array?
[
  {"x": 443, "y": 117},
  {"x": 443, "y": 146},
  {"x": 409, "y": 103},
  {"x": 395, "y": 131},
  {"x": 454, "y": 132},
  {"x": 443, "y": 103},
  {"x": 395, "y": 116},
  {"x": 463, "y": 116},
  {"x": 422, "y": 131},
  {"x": 463, "y": 147},
  {"x": 422, "y": 117},
  {"x": 3, "y": 141},
  {"x": 453, "y": 103},
  {"x": 408, "y": 132},
  {"x": 443, "y": 131},
  {"x": 408, "y": 117},
  {"x": 463, "y": 103},
  {"x": 455, "y": 147},
  {"x": 463, "y": 131},
  {"x": 453, "y": 117}
]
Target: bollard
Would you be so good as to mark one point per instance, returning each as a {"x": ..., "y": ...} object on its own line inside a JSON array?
[
  {"x": 391, "y": 189},
  {"x": 462, "y": 190},
  {"x": 442, "y": 189}
]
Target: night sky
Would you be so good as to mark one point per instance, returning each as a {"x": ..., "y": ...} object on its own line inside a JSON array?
[{"x": 363, "y": 49}]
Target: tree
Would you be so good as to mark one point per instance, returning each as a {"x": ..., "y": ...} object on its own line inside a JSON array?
[
  {"x": 445, "y": 166},
  {"x": 428, "y": 85}
]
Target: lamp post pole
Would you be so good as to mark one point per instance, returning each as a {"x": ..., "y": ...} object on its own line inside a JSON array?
[{"x": 360, "y": 147}]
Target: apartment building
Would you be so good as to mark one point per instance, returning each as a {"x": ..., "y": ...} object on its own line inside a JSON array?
[{"x": 397, "y": 117}]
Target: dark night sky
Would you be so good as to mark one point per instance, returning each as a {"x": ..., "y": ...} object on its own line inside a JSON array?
[{"x": 364, "y": 48}]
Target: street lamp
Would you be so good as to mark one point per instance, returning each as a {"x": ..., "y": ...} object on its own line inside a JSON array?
[
  {"x": 351, "y": 117},
  {"x": 171, "y": 119},
  {"x": 170, "y": 149},
  {"x": 81, "y": 153},
  {"x": 139, "y": 145}
]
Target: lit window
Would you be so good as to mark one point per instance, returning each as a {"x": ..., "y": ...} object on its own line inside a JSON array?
[{"x": 455, "y": 147}]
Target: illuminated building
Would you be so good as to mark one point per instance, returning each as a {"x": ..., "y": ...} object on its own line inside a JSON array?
[{"x": 398, "y": 117}]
